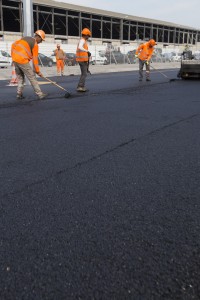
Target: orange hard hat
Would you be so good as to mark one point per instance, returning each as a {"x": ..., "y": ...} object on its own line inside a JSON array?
[
  {"x": 41, "y": 33},
  {"x": 86, "y": 31},
  {"x": 152, "y": 42}
]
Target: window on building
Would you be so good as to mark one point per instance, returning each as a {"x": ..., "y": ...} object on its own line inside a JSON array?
[
  {"x": 160, "y": 35},
  {"x": 36, "y": 27},
  {"x": 60, "y": 25},
  {"x": 11, "y": 19},
  {"x": 165, "y": 38},
  {"x": 147, "y": 33},
  {"x": 106, "y": 30},
  {"x": 59, "y": 11},
  {"x": 133, "y": 33},
  {"x": 115, "y": 29},
  {"x": 45, "y": 22},
  {"x": 85, "y": 23},
  {"x": 73, "y": 13},
  {"x": 10, "y": 3},
  {"x": 155, "y": 37},
  {"x": 171, "y": 37},
  {"x": 125, "y": 32},
  {"x": 96, "y": 29},
  {"x": 141, "y": 32},
  {"x": 73, "y": 26}
]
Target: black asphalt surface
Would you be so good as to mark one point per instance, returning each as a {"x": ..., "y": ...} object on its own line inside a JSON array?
[{"x": 100, "y": 193}]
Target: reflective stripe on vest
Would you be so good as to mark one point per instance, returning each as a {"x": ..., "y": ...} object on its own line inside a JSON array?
[
  {"x": 19, "y": 53},
  {"x": 24, "y": 48}
]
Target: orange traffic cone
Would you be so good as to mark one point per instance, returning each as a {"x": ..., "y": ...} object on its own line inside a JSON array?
[{"x": 14, "y": 80}]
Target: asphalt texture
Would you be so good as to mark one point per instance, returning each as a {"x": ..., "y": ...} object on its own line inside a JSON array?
[{"x": 100, "y": 193}]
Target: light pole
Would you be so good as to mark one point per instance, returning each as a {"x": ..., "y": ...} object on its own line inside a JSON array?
[
  {"x": 27, "y": 22},
  {"x": 28, "y": 18}
]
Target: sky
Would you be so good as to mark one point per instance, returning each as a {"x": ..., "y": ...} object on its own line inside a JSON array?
[{"x": 182, "y": 12}]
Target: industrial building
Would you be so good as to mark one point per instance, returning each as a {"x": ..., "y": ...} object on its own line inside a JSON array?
[{"x": 64, "y": 22}]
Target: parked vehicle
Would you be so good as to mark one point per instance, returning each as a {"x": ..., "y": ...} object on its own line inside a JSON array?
[
  {"x": 167, "y": 57},
  {"x": 99, "y": 60},
  {"x": 131, "y": 57},
  {"x": 197, "y": 56},
  {"x": 176, "y": 58},
  {"x": 156, "y": 57},
  {"x": 5, "y": 59},
  {"x": 116, "y": 57},
  {"x": 53, "y": 57},
  {"x": 45, "y": 60},
  {"x": 70, "y": 59}
]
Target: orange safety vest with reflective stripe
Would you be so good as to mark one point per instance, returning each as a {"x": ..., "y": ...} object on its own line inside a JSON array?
[
  {"x": 145, "y": 51},
  {"x": 22, "y": 51},
  {"x": 81, "y": 55}
]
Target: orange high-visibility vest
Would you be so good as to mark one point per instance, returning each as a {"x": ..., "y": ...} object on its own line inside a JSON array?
[
  {"x": 22, "y": 51},
  {"x": 144, "y": 51},
  {"x": 82, "y": 56}
]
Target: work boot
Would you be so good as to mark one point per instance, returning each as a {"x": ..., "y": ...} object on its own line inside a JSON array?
[
  {"x": 148, "y": 79},
  {"x": 20, "y": 97},
  {"x": 43, "y": 96},
  {"x": 81, "y": 89}
]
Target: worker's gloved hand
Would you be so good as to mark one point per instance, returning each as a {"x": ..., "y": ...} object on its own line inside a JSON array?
[
  {"x": 39, "y": 74},
  {"x": 147, "y": 62},
  {"x": 89, "y": 54},
  {"x": 136, "y": 56}
]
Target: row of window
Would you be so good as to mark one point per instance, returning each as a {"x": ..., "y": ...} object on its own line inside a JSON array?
[{"x": 70, "y": 23}]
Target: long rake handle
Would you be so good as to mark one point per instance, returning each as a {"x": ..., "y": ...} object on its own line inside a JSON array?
[
  {"x": 59, "y": 86},
  {"x": 160, "y": 72}
]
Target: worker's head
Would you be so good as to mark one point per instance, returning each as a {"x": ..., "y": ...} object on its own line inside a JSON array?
[
  {"x": 152, "y": 43},
  {"x": 58, "y": 46},
  {"x": 39, "y": 36},
  {"x": 86, "y": 33}
]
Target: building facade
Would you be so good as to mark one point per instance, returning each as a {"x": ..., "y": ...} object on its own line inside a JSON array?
[{"x": 64, "y": 22}]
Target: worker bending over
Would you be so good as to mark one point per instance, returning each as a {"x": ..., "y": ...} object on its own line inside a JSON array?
[
  {"x": 60, "y": 58},
  {"x": 22, "y": 52},
  {"x": 82, "y": 57},
  {"x": 144, "y": 53}
]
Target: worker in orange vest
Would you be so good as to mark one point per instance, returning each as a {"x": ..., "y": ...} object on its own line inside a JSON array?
[
  {"x": 60, "y": 58},
  {"x": 144, "y": 53},
  {"x": 22, "y": 51},
  {"x": 82, "y": 57}
]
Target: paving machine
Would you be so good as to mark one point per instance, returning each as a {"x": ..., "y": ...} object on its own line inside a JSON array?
[{"x": 190, "y": 67}]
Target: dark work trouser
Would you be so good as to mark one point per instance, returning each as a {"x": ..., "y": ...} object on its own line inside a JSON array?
[
  {"x": 141, "y": 66},
  {"x": 83, "y": 66}
]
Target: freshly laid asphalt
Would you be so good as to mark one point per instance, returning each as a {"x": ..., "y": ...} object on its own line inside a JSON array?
[{"x": 100, "y": 193}]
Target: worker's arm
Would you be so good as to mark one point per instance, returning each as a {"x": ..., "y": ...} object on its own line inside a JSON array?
[
  {"x": 35, "y": 60},
  {"x": 80, "y": 46}
]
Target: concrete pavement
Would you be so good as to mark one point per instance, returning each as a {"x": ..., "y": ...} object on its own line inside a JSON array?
[{"x": 99, "y": 194}]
